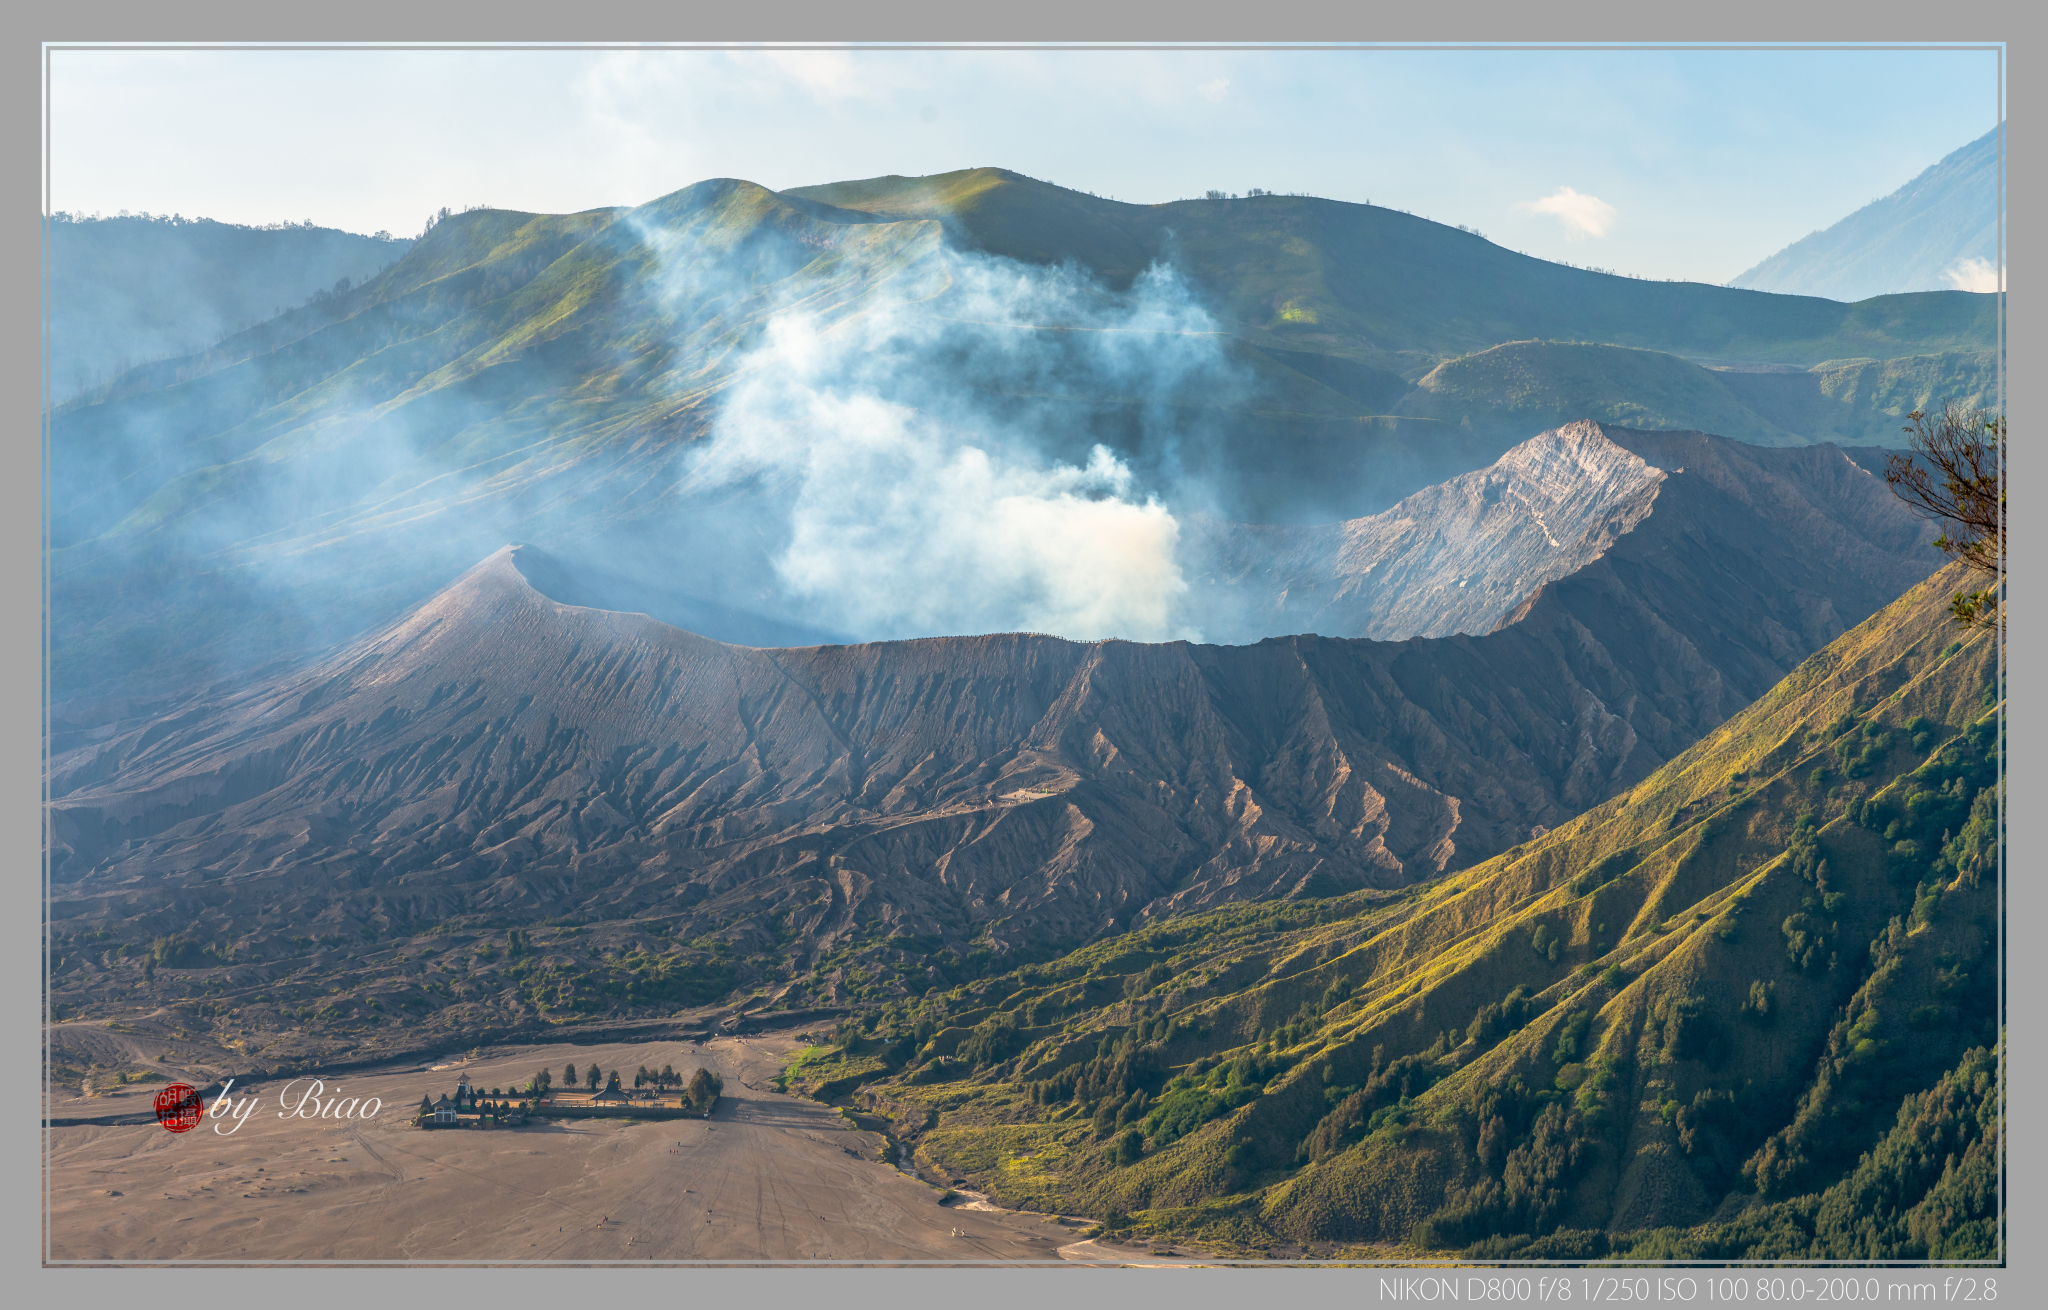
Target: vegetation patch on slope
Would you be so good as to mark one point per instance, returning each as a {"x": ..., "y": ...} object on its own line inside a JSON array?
[{"x": 1694, "y": 1010}]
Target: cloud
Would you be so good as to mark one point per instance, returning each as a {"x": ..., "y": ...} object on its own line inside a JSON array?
[
  {"x": 1584, "y": 216},
  {"x": 1215, "y": 89},
  {"x": 1971, "y": 274},
  {"x": 827, "y": 74}
]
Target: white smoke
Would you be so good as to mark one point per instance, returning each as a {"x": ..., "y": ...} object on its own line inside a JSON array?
[{"x": 913, "y": 443}]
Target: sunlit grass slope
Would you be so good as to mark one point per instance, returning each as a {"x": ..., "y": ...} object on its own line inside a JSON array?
[{"x": 1705, "y": 999}]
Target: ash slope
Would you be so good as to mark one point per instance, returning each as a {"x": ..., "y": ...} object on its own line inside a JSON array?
[
  {"x": 1457, "y": 557},
  {"x": 1463, "y": 556},
  {"x": 497, "y": 752}
]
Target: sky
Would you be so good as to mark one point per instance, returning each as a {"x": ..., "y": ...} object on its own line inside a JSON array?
[{"x": 1692, "y": 164}]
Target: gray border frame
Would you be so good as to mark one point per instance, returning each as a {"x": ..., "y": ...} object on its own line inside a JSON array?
[{"x": 270, "y": 18}]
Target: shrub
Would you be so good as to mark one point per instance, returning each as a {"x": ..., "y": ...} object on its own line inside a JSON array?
[
  {"x": 1761, "y": 1007},
  {"x": 1105, "y": 1118},
  {"x": 1690, "y": 1032},
  {"x": 1603, "y": 1077},
  {"x": 1525, "y": 1199},
  {"x": 992, "y": 1040},
  {"x": 1140, "y": 983},
  {"x": 1181, "y": 1111}
]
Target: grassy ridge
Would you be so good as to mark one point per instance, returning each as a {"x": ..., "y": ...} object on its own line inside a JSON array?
[
  {"x": 1703, "y": 999},
  {"x": 1537, "y": 385},
  {"x": 1377, "y": 284},
  {"x": 1857, "y": 401}
]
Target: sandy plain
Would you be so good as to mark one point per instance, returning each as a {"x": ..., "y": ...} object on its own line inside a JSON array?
[{"x": 768, "y": 1177}]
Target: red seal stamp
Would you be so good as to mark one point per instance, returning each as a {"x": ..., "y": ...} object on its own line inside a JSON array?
[{"x": 178, "y": 1107}]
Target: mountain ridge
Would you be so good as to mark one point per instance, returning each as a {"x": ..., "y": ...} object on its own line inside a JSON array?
[
  {"x": 1919, "y": 237},
  {"x": 136, "y": 288},
  {"x": 1343, "y": 264},
  {"x": 548, "y": 378},
  {"x": 1676, "y": 1027},
  {"x": 500, "y": 753}
]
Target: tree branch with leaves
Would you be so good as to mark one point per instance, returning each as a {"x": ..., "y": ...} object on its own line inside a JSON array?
[{"x": 1955, "y": 476}]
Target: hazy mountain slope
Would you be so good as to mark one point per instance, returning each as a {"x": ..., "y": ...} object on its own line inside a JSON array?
[
  {"x": 1464, "y": 556},
  {"x": 132, "y": 289},
  {"x": 1866, "y": 401},
  {"x": 1921, "y": 237},
  {"x": 1519, "y": 385},
  {"x": 1398, "y": 292},
  {"x": 1540, "y": 384},
  {"x": 514, "y": 375},
  {"x": 549, "y": 378},
  {"x": 1713, "y": 990},
  {"x": 136, "y": 438},
  {"x": 1457, "y": 557},
  {"x": 500, "y": 753}
]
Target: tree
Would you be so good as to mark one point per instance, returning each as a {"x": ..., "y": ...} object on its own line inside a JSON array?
[
  {"x": 569, "y": 1076},
  {"x": 703, "y": 1089},
  {"x": 1964, "y": 447},
  {"x": 591, "y": 1076}
]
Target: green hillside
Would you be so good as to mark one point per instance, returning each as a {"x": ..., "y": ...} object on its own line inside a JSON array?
[
  {"x": 1866, "y": 401},
  {"x": 1402, "y": 292},
  {"x": 1535, "y": 385},
  {"x": 1527, "y": 386},
  {"x": 137, "y": 288},
  {"x": 1726, "y": 1012}
]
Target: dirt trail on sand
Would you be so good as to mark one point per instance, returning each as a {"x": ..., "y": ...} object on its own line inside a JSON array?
[{"x": 767, "y": 1178}]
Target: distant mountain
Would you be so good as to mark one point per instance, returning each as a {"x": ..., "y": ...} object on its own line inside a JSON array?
[
  {"x": 1937, "y": 232},
  {"x": 1858, "y": 401},
  {"x": 547, "y": 378},
  {"x": 1396, "y": 292},
  {"x": 1518, "y": 386},
  {"x": 138, "y": 288}
]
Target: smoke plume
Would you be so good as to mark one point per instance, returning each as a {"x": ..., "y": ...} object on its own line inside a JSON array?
[{"x": 932, "y": 454}]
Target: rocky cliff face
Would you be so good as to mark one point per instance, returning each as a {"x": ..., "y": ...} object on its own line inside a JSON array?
[
  {"x": 1463, "y": 556},
  {"x": 497, "y": 751},
  {"x": 1457, "y": 557}
]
